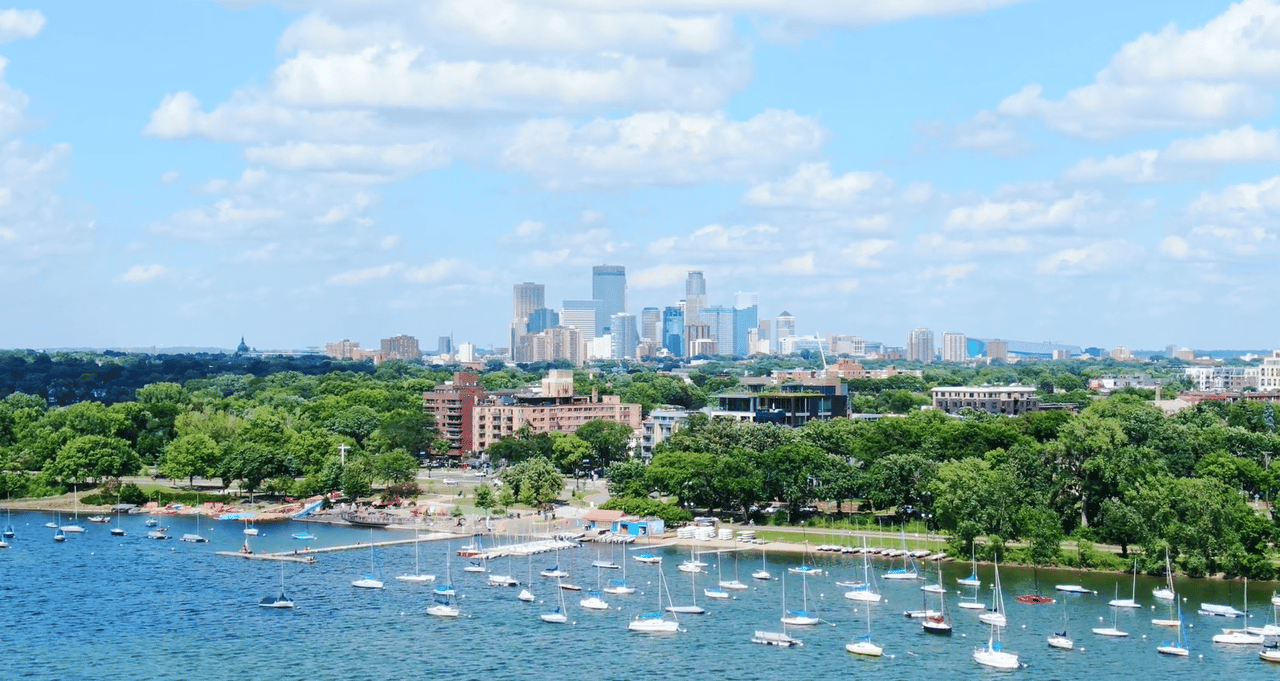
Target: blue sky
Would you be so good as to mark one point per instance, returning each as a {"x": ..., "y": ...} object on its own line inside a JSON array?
[{"x": 184, "y": 173}]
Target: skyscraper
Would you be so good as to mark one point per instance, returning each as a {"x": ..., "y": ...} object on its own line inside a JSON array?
[
  {"x": 920, "y": 346},
  {"x": 954, "y": 347},
  {"x": 401, "y": 347},
  {"x": 673, "y": 330},
  {"x": 623, "y": 336},
  {"x": 695, "y": 297},
  {"x": 525, "y": 298},
  {"x": 609, "y": 286},
  {"x": 585, "y": 316},
  {"x": 720, "y": 320},
  {"x": 745, "y": 319},
  {"x": 651, "y": 325},
  {"x": 542, "y": 319},
  {"x": 785, "y": 327}
]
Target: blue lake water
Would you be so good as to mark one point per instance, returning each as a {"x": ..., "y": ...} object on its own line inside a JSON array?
[{"x": 128, "y": 608}]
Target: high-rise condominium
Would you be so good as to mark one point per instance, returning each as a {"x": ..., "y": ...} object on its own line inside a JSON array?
[
  {"x": 585, "y": 316},
  {"x": 920, "y": 345},
  {"x": 609, "y": 286},
  {"x": 623, "y": 337},
  {"x": 785, "y": 327},
  {"x": 525, "y": 298},
  {"x": 954, "y": 347},
  {"x": 745, "y": 319},
  {"x": 673, "y": 330},
  {"x": 651, "y": 325},
  {"x": 695, "y": 297}
]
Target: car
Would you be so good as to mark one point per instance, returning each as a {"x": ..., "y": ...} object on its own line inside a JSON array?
[{"x": 450, "y": 481}]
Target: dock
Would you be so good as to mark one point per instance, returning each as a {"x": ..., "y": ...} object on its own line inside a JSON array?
[{"x": 307, "y": 555}]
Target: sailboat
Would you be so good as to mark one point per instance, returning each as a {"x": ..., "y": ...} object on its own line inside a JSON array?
[
  {"x": 1036, "y": 598},
  {"x": 75, "y": 523},
  {"x": 692, "y": 565},
  {"x": 557, "y": 616},
  {"x": 717, "y": 591},
  {"x": 600, "y": 562},
  {"x": 993, "y": 654},
  {"x": 195, "y": 538},
  {"x": 1111, "y": 630},
  {"x": 777, "y": 638},
  {"x": 1178, "y": 647},
  {"x": 481, "y": 565},
  {"x": 249, "y": 529},
  {"x": 732, "y": 584},
  {"x": 594, "y": 599},
  {"x": 972, "y": 579},
  {"x": 657, "y": 622},
  {"x": 1166, "y": 592},
  {"x": 1058, "y": 639},
  {"x": 908, "y": 569},
  {"x": 802, "y": 617},
  {"x": 445, "y": 604},
  {"x": 8, "y": 518},
  {"x": 59, "y": 535},
  {"x": 763, "y": 572},
  {"x": 865, "y": 591},
  {"x": 938, "y": 624},
  {"x": 995, "y": 616},
  {"x": 417, "y": 577},
  {"x": 806, "y": 567},
  {"x": 117, "y": 531},
  {"x": 619, "y": 586},
  {"x": 1240, "y": 636},
  {"x": 281, "y": 601},
  {"x": 1129, "y": 602},
  {"x": 693, "y": 608},
  {"x": 503, "y": 580},
  {"x": 863, "y": 644},
  {"x": 369, "y": 581},
  {"x": 554, "y": 571},
  {"x": 525, "y": 594},
  {"x": 936, "y": 588}
]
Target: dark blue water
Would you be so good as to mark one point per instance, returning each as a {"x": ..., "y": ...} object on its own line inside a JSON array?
[{"x": 128, "y": 608}]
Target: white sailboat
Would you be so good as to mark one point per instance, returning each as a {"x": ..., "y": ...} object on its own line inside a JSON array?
[
  {"x": 1112, "y": 630},
  {"x": 619, "y": 587},
  {"x": 657, "y": 622},
  {"x": 908, "y": 569},
  {"x": 1129, "y": 602},
  {"x": 1166, "y": 592},
  {"x": 281, "y": 601},
  {"x": 937, "y": 588},
  {"x": 863, "y": 644},
  {"x": 249, "y": 529},
  {"x": 802, "y": 617},
  {"x": 369, "y": 581},
  {"x": 445, "y": 596},
  {"x": 993, "y": 654},
  {"x": 8, "y": 518},
  {"x": 525, "y": 594},
  {"x": 1240, "y": 636},
  {"x": 732, "y": 584},
  {"x": 481, "y": 565},
  {"x": 417, "y": 577},
  {"x": 1178, "y": 647},
  {"x": 594, "y": 599},
  {"x": 972, "y": 579},
  {"x": 763, "y": 572},
  {"x": 1059, "y": 639},
  {"x": 717, "y": 591},
  {"x": 554, "y": 572},
  {"x": 866, "y": 591},
  {"x": 693, "y": 564},
  {"x": 75, "y": 523},
  {"x": 117, "y": 531},
  {"x": 195, "y": 538},
  {"x": 559, "y": 615},
  {"x": 938, "y": 624},
  {"x": 995, "y": 616}
]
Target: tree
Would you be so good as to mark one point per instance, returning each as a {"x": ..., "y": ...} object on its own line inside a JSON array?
[
  {"x": 484, "y": 498},
  {"x": 609, "y": 441},
  {"x": 628, "y": 479},
  {"x": 189, "y": 456},
  {"x": 1043, "y": 532},
  {"x": 534, "y": 482},
  {"x": 398, "y": 467},
  {"x": 570, "y": 452},
  {"x": 355, "y": 482},
  {"x": 94, "y": 456},
  {"x": 409, "y": 429}
]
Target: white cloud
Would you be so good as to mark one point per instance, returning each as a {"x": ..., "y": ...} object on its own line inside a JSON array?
[
  {"x": 1182, "y": 158},
  {"x": 1175, "y": 247},
  {"x": 170, "y": 176},
  {"x": 799, "y": 264},
  {"x": 658, "y": 276},
  {"x": 944, "y": 245},
  {"x": 438, "y": 271},
  {"x": 949, "y": 274},
  {"x": 663, "y": 148},
  {"x": 1240, "y": 200},
  {"x": 20, "y": 23},
  {"x": 1024, "y": 214},
  {"x": 369, "y": 158},
  {"x": 1089, "y": 258},
  {"x": 140, "y": 273},
  {"x": 812, "y": 186},
  {"x": 863, "y": 253},
  {"x": 1212, "y": 75},
  {"x": 366, "y": 275}
]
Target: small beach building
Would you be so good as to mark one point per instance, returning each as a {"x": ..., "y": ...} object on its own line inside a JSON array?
[
  {"x": 598, "y": 518},
  {"x": 639, "y": 527}
]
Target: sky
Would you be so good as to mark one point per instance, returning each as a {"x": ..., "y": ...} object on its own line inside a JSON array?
[{"x": 1089, "y": 172}]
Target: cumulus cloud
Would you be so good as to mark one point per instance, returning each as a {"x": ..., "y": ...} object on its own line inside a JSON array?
[
  {"x": 813, "y": 186},
  {"x": 16, "y": 24},
  {"x": 1088, "y": 258},
  {"x": 1182, "y": 158},
  {"x": 863, "y": 253},
  {"x": 1021, "y": 213},
  {"x": 664, "y": 148}
]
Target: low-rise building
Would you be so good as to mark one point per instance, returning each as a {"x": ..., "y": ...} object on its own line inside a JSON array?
[{"x": 1009, "y": 400}]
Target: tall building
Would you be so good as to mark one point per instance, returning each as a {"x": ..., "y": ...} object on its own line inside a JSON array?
[
  {"x": 525, "y": 298},
  {"x": 920, "y": 346},
  {"x": 673, "y": 330},
  {"x": 785, "y": 327},
  {"x": 542, "y": 319},
  {"x": 444, "y": 345},
  {"x": 765, "y": 326},
  {"x": 452, "y": 406},
  {"x": 697, "y": 340},
  {"x": 651, "y": 325},
  {"x": 401, "y": 347},
  {"x": 343, "y": 349},
  {"x": 720, "y": 319},
  {"x": 585, "y": 316},
  {"x": 695, "y": 297},
  {"x": 745, "y": 319},
  {"x": 624, "y": 336},
  {"x": 998, "y": 349},
  {"x": 955, "y": 347},
  {"x": 609, "y": 286}
]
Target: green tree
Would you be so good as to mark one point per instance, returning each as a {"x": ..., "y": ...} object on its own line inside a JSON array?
[
  {"x": 94, "y": 456},
  {"x": 484, "y": 498},
  {"x": 397, "y": 466},
  {"x": 189, "y": 456},
  {"x": 609, "y": 441},
  {"x": 535, "y": 482}
]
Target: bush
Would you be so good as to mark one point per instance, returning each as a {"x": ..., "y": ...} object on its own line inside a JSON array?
[{"x": 644, "y": 506}]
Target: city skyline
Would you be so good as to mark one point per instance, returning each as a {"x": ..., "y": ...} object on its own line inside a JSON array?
[{"x": 306, "y": 171}]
